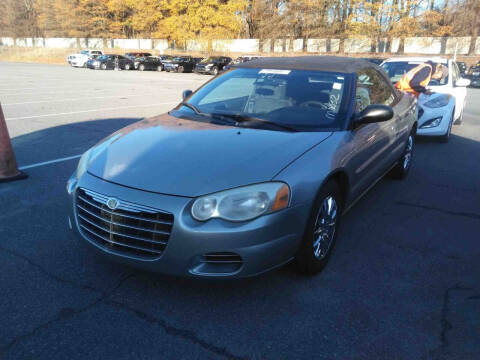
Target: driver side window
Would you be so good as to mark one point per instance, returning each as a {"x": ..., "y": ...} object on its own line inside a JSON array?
[{"x": 372, "y": 89}]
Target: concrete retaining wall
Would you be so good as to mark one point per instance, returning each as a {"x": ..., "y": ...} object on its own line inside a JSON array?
[{"x": 413, "y": 45}]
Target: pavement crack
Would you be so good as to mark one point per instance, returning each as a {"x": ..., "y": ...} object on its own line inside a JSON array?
[
  {"x": 178, "y": 332},
  {"x": 47, "y": 273},
  {"x": 66, "y": 313},
  {"x": 445, "y": 324},
  {"x": 446, "y": 212}
]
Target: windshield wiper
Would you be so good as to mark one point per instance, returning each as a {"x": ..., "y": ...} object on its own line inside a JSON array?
[
  {"x": 196, "y": 109},
  {"x": 238, "y": 118}
]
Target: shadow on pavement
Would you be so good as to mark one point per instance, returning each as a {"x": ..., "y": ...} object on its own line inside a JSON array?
[{"x": 64, "y": 140}]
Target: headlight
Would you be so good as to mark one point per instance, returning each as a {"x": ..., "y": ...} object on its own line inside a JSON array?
[
  {"x": 96, "y": 63},
  {"x": 437, "y": 102},
  {"x": 242, "y": 204},
  {"x": 431, "y": 123}
]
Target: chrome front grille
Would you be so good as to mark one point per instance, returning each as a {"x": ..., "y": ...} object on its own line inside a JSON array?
[{"x": 128, "y": 229}]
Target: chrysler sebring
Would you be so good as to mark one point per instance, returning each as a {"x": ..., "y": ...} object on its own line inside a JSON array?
[{"x": 249, "y": 172}]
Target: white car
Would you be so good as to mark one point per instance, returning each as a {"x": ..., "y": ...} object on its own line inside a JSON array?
[
  {"x": 80, "y": 59},
  {"x": 439, "y": 110}
]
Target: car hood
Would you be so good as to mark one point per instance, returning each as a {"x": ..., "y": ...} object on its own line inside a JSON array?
[{"x": 188, "y": 158}]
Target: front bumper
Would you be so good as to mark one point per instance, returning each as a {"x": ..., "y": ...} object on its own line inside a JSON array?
[
  {"x": 262, "y": 244},
  {"x": 170, "y": 68},
  {"x": 203, "y": 71}
]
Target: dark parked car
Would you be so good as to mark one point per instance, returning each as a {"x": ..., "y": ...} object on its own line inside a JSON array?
[
  {"x": 239, "y": 60},
  {"x": 251, "y": 171},
  {"x": 89, "y": 63},
  {"x": 165, "y": 59},
  {"x": 462, "y": 66},
  {"x": 134, "y": 55},
  {"x": 212, "y": 65},
  {"x": 474, "y": 76},
  {"x": 180, "y": 64},
  {"x": 148, "y": 63},
  {"x": 106, "y": 62}
]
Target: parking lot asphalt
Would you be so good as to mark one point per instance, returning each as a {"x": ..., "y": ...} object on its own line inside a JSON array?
[{"x": 403, "y": 282}]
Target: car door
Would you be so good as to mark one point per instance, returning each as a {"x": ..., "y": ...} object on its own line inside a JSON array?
[
  {"x": 460, "y": 92},
  {"x": 373, "y": 145}
]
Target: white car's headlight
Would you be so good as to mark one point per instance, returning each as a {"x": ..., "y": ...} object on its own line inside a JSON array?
[
  {"x": 242, "y": 204},
  {"x": 437, "y": 102},
  {"x": 431, "y": 123}
]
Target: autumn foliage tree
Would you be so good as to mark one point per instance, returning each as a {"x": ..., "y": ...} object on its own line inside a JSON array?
[{"x": 180, "y": 20}]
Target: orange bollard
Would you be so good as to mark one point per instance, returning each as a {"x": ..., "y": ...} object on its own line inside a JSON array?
[{"x": 8, "y": 165}]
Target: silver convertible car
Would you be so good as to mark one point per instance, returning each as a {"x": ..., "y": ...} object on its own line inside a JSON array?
[{"x": 249, "y": 172}]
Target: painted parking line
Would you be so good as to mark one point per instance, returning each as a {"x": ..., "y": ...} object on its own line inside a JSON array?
[
  {"x": 49, "y": 162},
  {"x": 89, "y": 111},
  {"x": 78, "y": 99},
  {"x": 55, "y": 92}
]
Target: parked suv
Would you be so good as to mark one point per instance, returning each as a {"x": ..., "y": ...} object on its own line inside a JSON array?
[{"x": 212, "y": 65}]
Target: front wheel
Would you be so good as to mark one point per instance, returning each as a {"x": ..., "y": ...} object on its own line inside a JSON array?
[
  {"x": 180, "y": 69},
  {"x": 401, "y": 169},
  {"x": 127, "y": 66},
  {"x": 215, "y": 71},
  {"x": 321, "y": 230},
  {"x": 141, "y": 67},
  {"x": 103, "y": 66},
  {"x": 445, "y": 138},
  {"x": 159, "y": 68}
]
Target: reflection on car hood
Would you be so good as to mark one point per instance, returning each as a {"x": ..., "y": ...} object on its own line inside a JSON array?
[
  {"x": 190, "y": 158},
  {"x": 423, "y": 98}
]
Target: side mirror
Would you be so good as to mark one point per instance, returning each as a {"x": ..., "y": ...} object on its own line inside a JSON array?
[
  {"x": 462, "y": 82},
  {"x": 374, "y": 114},
  {"x": 186, "y": 94}
]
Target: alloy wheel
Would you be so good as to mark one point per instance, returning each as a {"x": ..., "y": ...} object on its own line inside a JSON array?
[{"x": 325, "y": 225}]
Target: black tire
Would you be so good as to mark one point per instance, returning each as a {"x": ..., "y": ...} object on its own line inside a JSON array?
[
  {"x": 127, "y": 66},
  {"x": 215, "y": 71},
  {"x": 141, "y": 67},
  {"x": 401, "y": 169},
  {"x": 315, "y": 250},
  {"x": 159, "y": 68},
  {"x": 180, "y": 69},
  {"x": 103, "y": 66}
]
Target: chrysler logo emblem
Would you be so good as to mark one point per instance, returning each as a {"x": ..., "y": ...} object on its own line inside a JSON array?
[{"x": 113, "y": 203}]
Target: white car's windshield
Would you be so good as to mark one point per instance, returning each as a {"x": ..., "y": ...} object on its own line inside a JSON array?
[
  {"x": 306, "y": 100},
  {"x": 396, "y": 69}
]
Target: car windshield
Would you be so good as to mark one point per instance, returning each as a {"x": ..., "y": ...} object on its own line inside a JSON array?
[
  {"x": 396, "y": 69},
  {"x": 179, "y": 59},
  {"x": 84, "y": 52},
  {"x": 103, "y": 57},
  {"x": 300, "y": 99}
]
